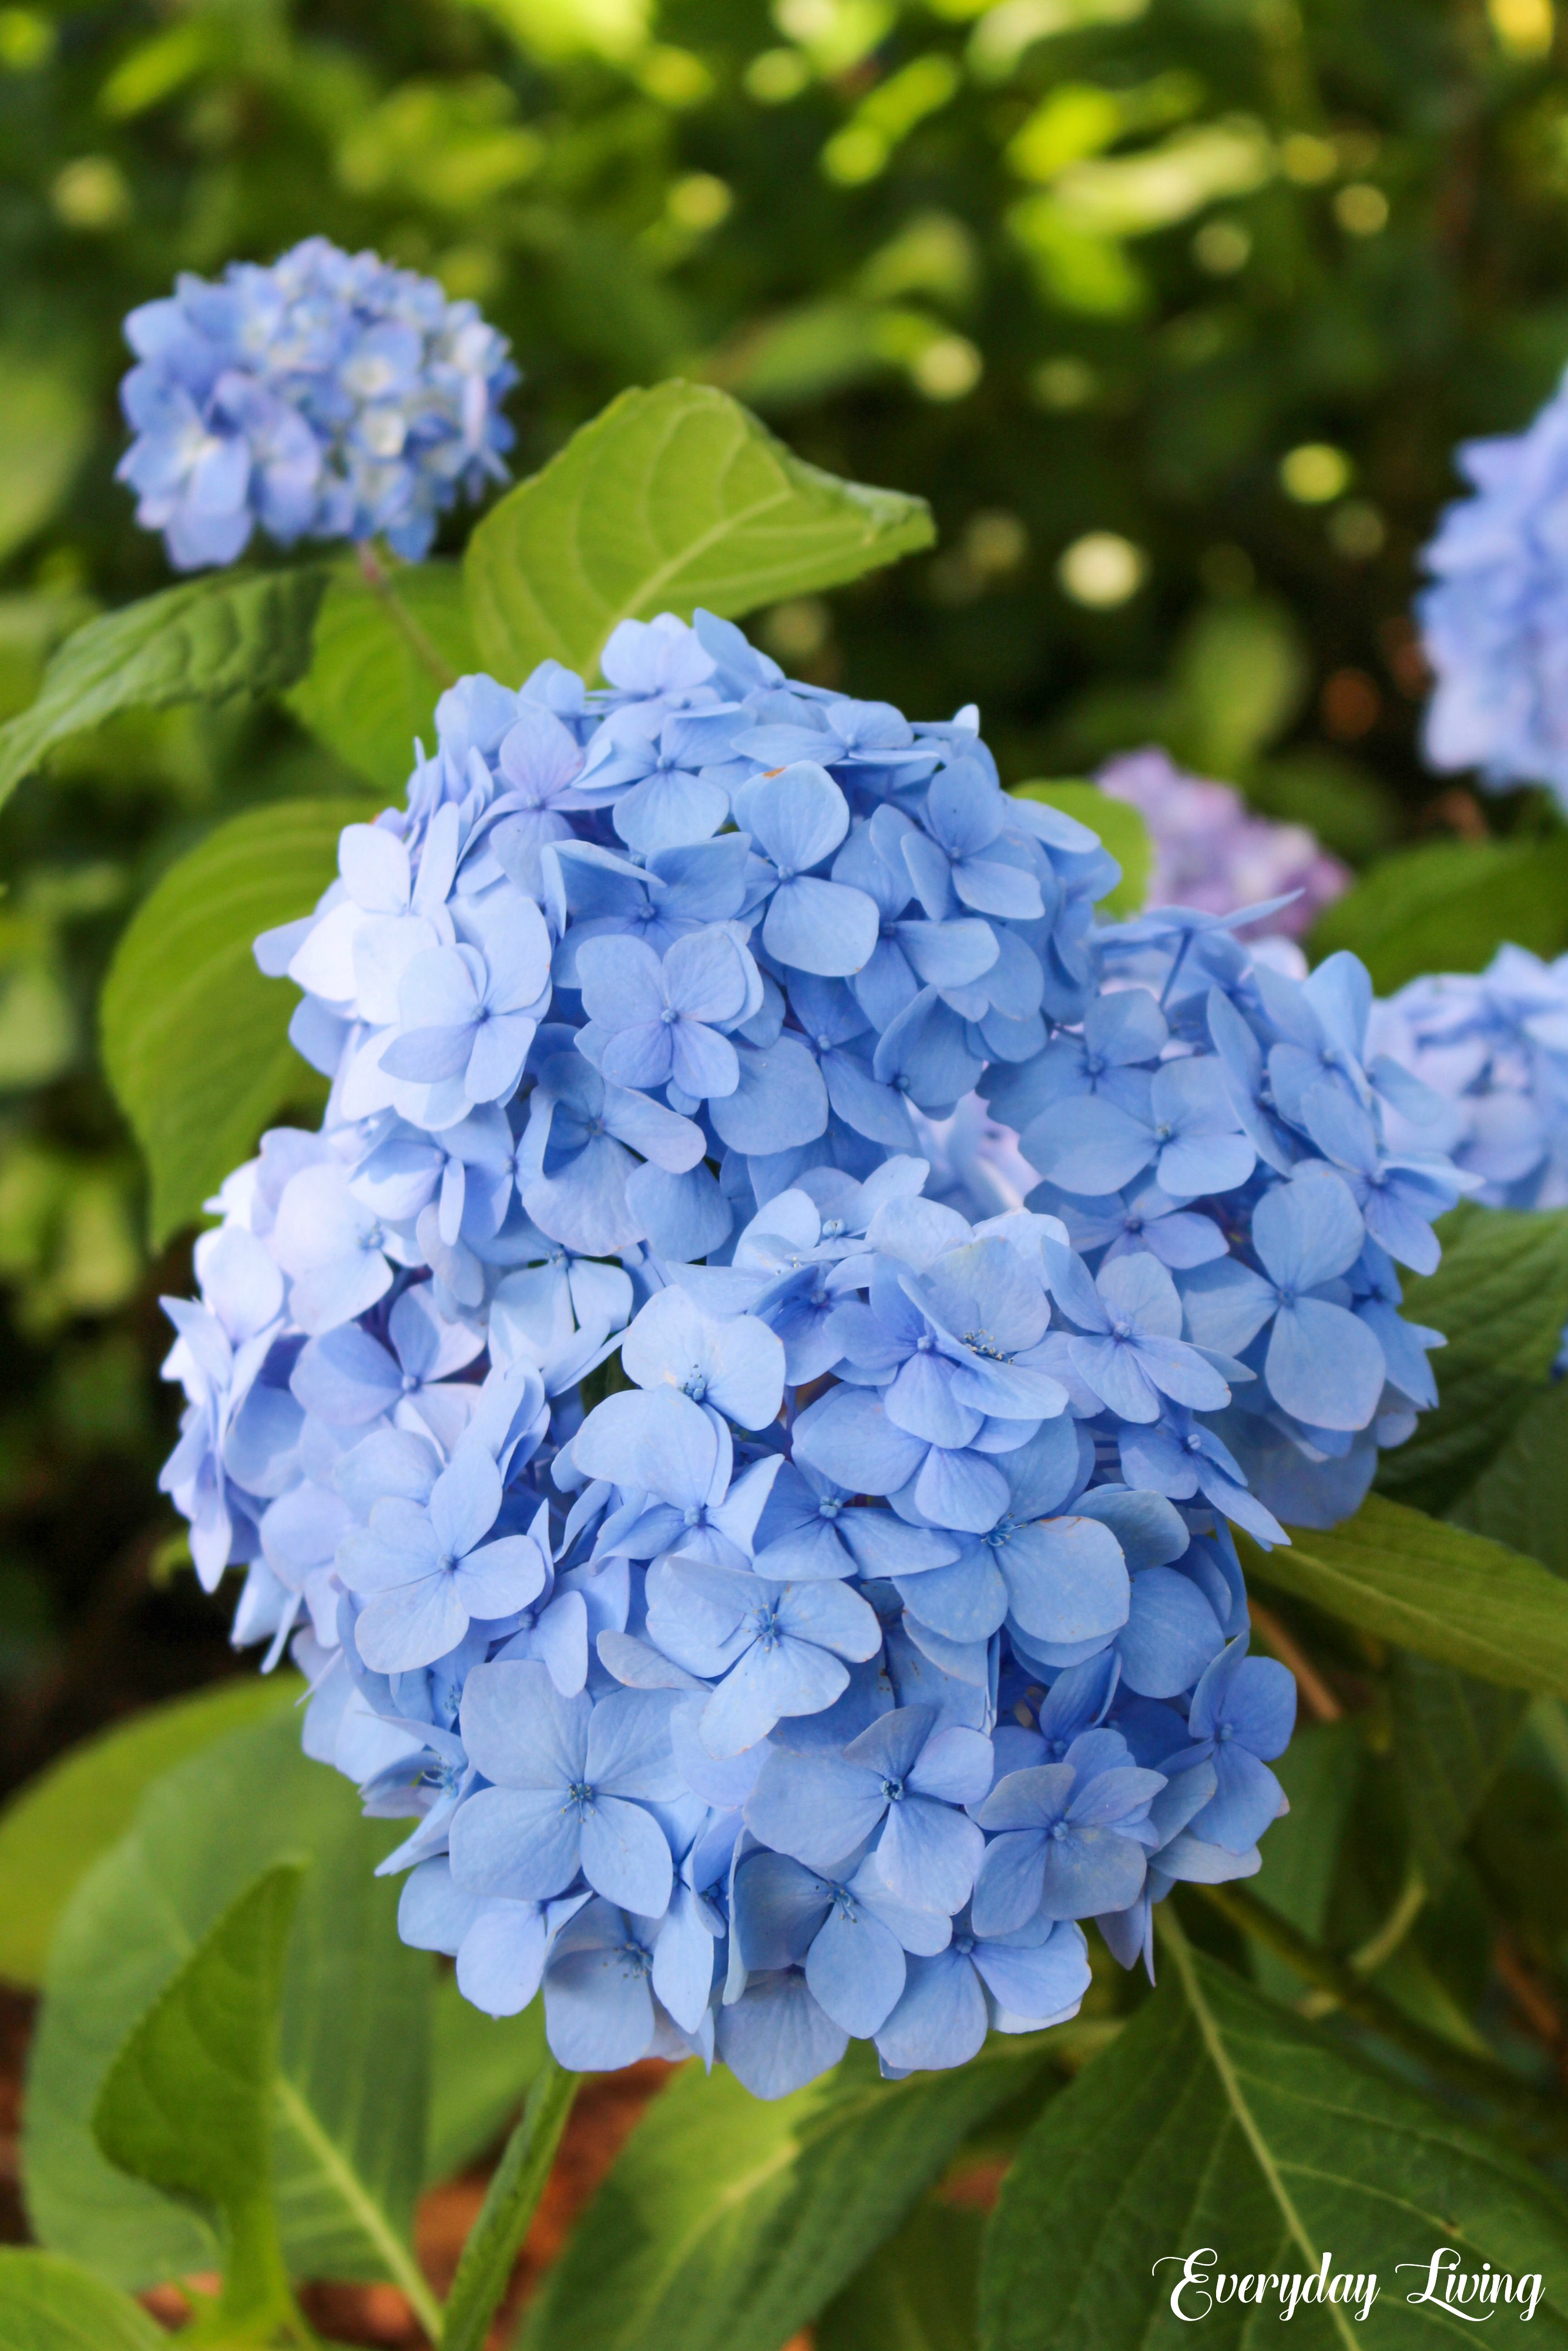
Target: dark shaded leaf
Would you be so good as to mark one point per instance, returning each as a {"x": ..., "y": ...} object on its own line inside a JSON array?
[
  {"x": 1501, "y": 1299},
  {"x": 1219, "y": 2119}
]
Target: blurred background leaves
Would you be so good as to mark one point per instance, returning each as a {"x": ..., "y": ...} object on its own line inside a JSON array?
[{"x": 1173, "y": 308}]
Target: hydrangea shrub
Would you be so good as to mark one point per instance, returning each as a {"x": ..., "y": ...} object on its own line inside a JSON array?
[{"x": 785, "y": 1579}]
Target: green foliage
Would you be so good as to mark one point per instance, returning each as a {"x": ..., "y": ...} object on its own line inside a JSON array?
[
  {"x": 236, "y": 634},
  {"x": 46, "y": 429},
  {"x": 674, "y": 498},
  {"x": 187, "y": 2103},
  {"x": 728, "y": 2222},
  {"x": 52, "y": 1832},
  {"x": 1448, "y": 1594},
  {"x": 510, "y": 2201},
  {"x": 1449, "y": 905},
  {"x": 383, "y": 651},
  {"x": 1520, "y": 1498},
  {"x": 195, "y": 1042},
  {"x": 353, "y": 2047},
  {"x": 480, "y": 2067},
  {"x": 1119, "y": 825},
  {"x": 1220, "y": 2119},
  {"x": 1451, "y": 1738},
  {"x": 50, "y": 2304},
  {"x": 1501, "y": 1299},
  {"x": 917, "y": 2294},
  {"x": 1300, "y": 1853}
]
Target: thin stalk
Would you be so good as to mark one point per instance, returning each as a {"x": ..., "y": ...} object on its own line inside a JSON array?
[
  {"x": 509, "y": 2206},
  {"x": 379, "y": 581},
  {"x": 1479, "y": 2077}
]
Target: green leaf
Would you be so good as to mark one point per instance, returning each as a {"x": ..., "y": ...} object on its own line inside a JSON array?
[
  {"x": 480, "y": 2068},
  {"x": 1239, "y": 677},
  {"x": 1451, "y": 1738},
  {"x": 383, "y": 656},
  {"x": 1300, "y": 1852},
  {"x": 1431, "y": 1587},
  {"x": 230, "y": 632},
  {"x": 195, "y": 1040},
  {"x": 1119, "y": 825},
  {"x": 917, "y": 2294},
  {"x": 674, "y": 498},
  {"x": 50, "y": 2304},
  {"x": 46, "y": 426},
  {"x": 187, "y": 2103},
  {"x": 52, "y": 1831},
  {"x": 1218, "y": 2119},
  {"x": 354, "y": 2049},
  {"x": 1522, "y": 1495},
  {"x": 1448, "y": 906},
  {"x": 729, "y": 2222},
  {"x": 1501, "y": 1299}
]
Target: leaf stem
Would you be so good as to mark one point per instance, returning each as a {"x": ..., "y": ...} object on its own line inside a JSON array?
[
  {"x": 1479, "y": 2077},
  {"x": 378, "y": 580},
  {"x": 509, "y": 2206}
]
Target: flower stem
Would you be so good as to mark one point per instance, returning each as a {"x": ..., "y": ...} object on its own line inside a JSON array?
[
  {"x": 379, "y": 581},
  {"x": 509, "y": 2206}
]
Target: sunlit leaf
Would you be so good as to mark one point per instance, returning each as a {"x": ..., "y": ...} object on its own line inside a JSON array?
[
  {"x": 672, "y": 499},
  {"x": 230, "y": 632},
  {"x": 195, "y": 1040},
  {"x": 53, "y": 1831}
]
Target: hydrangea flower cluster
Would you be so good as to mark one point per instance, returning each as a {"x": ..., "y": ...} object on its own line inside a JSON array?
[
  {"x": 329, "y": 396},
  {"x": 1494, "y": 623},
  {"x": 1212, "y": 852},
  {"x": 785, "y": 1604},
  {"x": 1493, "y": 1046}
]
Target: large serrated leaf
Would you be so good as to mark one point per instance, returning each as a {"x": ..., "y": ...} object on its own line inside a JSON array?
[
  {"x": 53, "y": 1831},
  {"x": 234, "y": 633},
  {"x": 1501, "y": 1299},
  {"x": 728, "y": 2222},
  {"x": 1220, "y": 2120},
  {"x": 1437, "y": 1588},
  {"x": 675, "y": 496},
  {"x": 383, "y": 655},
  {"x": 195, "y": 1042},
  {"x": 50, "y": 2304},
  {"x": 354, "y": 2040}
]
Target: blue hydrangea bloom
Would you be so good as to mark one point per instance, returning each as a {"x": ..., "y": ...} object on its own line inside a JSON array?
[
  {"x": 329, "y": 396},
  {"x": 819, "y": 1666}
]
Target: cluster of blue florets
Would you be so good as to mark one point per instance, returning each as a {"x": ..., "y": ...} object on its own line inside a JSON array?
[
  {"x": 329, "y": 396},
  {"x": 1493, "y": 1047},
  {"x": 1494, "y": 624},
  {"x": 785, "y": 1577}
]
